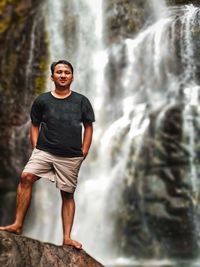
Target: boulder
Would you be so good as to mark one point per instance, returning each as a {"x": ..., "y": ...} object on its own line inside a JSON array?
[{"x": 21, "y": 251}]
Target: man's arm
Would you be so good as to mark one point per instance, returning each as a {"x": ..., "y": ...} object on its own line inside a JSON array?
[
  {"x": 87, "y": 138},
  {"x": 34, "y": 135}
]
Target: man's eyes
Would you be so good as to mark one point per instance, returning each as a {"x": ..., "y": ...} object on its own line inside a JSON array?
[{"x": 66, "y": 72}]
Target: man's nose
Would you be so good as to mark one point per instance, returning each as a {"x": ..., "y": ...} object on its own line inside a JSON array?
[{"x": 63, "y": 74}]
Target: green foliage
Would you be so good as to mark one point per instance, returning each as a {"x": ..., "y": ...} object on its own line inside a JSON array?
[
  {"x": 11, "y": 10},
  {"x": 6, "y": 12},
  {"x": 40, "y": 80},
  {"x": 5, "y": 17},
  {"x": 4, "y": 4},
  {"x": 4, "y": 24}
]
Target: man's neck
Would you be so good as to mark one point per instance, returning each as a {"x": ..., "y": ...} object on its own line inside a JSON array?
[{"x": 61, "y": 93}]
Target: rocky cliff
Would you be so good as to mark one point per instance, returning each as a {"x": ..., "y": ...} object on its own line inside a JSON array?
[
  {"x": 23, "y": 57},
  {"x": 19, "y": 251}
]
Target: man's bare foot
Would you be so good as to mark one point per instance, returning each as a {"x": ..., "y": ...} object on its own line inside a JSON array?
[
  {"x": 73, "y": 243},
  {"x": 11, "y": 229}
]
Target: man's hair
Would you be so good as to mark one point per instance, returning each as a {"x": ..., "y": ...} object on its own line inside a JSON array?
[{"x": 62, "y": 61}]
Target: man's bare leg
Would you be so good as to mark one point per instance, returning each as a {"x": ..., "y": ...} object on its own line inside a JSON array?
[
  {"x": 68, "y": 211},
  {"x": 22, "y": 202}
]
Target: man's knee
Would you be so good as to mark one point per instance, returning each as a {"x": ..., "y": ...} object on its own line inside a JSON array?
[
  {"x": 28, "y": 178},
  {"x": 66, "y": 195}
]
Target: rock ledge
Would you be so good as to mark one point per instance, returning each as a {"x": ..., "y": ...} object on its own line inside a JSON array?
[{"x": 21, "y": 251}]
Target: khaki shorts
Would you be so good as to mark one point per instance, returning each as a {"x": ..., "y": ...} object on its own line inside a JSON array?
[{"x": 61, "y": 170}]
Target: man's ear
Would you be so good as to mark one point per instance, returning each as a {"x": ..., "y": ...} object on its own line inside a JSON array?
[{"x": 52, "y": 77}]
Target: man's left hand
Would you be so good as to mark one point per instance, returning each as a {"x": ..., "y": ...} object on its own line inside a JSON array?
[{"x": 85, "y": 153}]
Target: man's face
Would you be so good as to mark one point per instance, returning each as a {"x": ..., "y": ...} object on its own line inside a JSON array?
[{"x": 62, "y": 76}]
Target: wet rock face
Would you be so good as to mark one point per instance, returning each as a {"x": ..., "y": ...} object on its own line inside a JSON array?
[
  {"x": 22, "y": 65},
  {"x": 159, "y": 213},
  {"x": 124, "y": 18},
  {"x": 182, "y": 2},
  {"x": 18, "y": 251}
]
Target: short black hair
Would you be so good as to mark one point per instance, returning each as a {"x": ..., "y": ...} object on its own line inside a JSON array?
[{"x": 61, "y": 61}]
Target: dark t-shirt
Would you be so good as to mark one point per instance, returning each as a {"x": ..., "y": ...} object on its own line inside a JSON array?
[{"x": 60, "y": 122}]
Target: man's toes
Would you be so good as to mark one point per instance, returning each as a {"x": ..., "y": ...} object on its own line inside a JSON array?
[
  {"x": 73, "y": 243},
  {"x": 77, "y": 245},
  {"x": 10, "y": 229}
]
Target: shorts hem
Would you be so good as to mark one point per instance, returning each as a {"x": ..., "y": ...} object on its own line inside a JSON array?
[
  {"x": 65, "y": 188},
  {"x": 34, "y": 172}
]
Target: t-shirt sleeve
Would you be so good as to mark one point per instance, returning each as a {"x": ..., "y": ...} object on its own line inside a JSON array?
[
  {"x": 87, "y": 111},
  {"x": 36, "y": 112}
]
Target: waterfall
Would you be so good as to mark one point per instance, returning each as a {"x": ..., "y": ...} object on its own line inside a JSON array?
[
  {"x": 154, "y": 80},
  {"x": 54, "y": 21},
  {"x": 157, "y": 80},
  {"x": 157, "y": 8},
  {"x": 31, "y": 53}
]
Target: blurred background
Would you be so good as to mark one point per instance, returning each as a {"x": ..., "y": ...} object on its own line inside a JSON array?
[{"x": 138, "y": 61}]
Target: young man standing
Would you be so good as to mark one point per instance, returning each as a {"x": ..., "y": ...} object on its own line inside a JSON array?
[{"x": 58, "y": 149}]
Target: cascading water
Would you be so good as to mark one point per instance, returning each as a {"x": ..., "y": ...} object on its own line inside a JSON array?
[
  {"x": 157, "y": 8},
  {"x": 162, "y": 81},
  {"x": 160, "y": 74}
]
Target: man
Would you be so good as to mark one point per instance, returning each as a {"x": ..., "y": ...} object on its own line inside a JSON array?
[{"x": 58, "y": 149}]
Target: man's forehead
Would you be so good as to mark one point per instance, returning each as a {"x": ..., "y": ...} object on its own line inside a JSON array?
[{"x": 61, "y": 66}]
